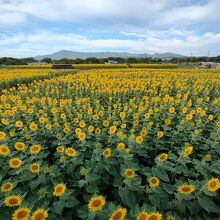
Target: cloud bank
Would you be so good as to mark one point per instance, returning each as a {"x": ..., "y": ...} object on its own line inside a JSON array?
[{"x": 32, "y": 27}]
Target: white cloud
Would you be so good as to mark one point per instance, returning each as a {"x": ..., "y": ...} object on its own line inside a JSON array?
[
  {"x": 42, "y": 42},
  {"x": 147, "y": 26},
  {"x": 121, "y": 12}
]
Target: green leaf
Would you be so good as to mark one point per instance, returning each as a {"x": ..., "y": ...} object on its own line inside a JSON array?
[
  {"x": 71, "y": 202},
  {"x": 127, "y": 197},
  {"x": 207, "y": 204},
  {"x": 168, "y": 188},
  {"x": 82, "y": 212},
  {"x": 161, "y": 174},
  {"x": 58, "y": 207}
]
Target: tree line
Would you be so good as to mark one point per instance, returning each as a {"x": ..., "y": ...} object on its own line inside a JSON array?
[{"x": 93, "y": 60}]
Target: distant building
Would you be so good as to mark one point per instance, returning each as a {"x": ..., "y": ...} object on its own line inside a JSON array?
[
  {"x": 111, "y": 62},
  {"x": 209, "y": 65},
  {"x": 37, "y": 63}
]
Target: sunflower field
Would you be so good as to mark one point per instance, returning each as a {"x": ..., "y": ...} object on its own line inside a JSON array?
[{"x": 112, "y": 144}]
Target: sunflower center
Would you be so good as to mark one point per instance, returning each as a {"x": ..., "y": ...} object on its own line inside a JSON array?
[
  {"x": 106, "y": 152},
  {"x": 59, "y": 189},
  {"x": 163, "y": 157},
  {"x": 15, "y": 162},
  {"x": 7, "y": 186},
  {"x": 153, "y": 217},
  {"x": 4, "y": 149},
  {"x": 143, "y": 217},
  {"x": 186, "y": 189},
  {"x": 96, "y": 203},
  {"x": 129, "y": 173},
  {"x": 154, "y": 181},
  {"x": 117, "y": 216},
  {"x": 34, "y": 167},
  {"x": 21, "y": 214},
  {"x": 39, "y": 216},
  {"x": 71, "y": 151},
  {"x": 213, "y": 184},
  {"x": 13, "y": 201}
]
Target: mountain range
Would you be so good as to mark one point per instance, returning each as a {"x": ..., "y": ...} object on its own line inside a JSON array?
[{"x": 83, "y": 55}]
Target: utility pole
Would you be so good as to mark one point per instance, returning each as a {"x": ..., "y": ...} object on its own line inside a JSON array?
[{"x": 207, "y": 56}]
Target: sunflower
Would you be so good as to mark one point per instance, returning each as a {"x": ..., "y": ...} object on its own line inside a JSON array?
[
  {"x": 105, "y": 123},
  {"x": 71, "y": 152},
  {"x": 42, "y": 120},
  {"x": 82, "y": 124},
  {"x": 171, "y": 110},
  {"x": 143, "y": 132},
  {"x": 160, "y": 134},
  {"x": 13, "y": 200},
  {"x": 189, "y": 117},
  {"x": 35, "y": 149},
  {"x": 123, "y": 126},
  {"x": 21, "y": 214},
  {"x": 60, "y": 149},
  {"x": 118, "y": 214},
  {"x": 46, "y": 170},
  {"x": 48, "y": 126},
  {"x": 82, "y": 136},
  {"x": 162, "y": 157},
  {"x": 4, "y": 150},
  {"x": 34, "y": 167},
  {"x": 39, "y": 214},
  {"x": 213, "y": 185},
  {"x": 210, "y": 117},
  {"x": 142, "y": 216},
  {"x": 208, "y": 157},
  {"x": 139, "y": 139},
  {"x": 112, "y": 129},
  {"x": 62, "y": 159},
  {"x": 19, "y": 124},
  {"x": 54, "y": 110},
  {"x": 107, "y": 152},
  {"x": 2, "y": 135},
  {"x": 129, "y": 173},
  {"x": 20, "y": 146},
  {"x": 33, "y": 126},
  {"x": 167, "y": 121},
  {"x": 15, "y": 162},
  {"x": 154, "y": 181},
  {"x": 96, "y": 203},
  {"x": 186, "y": 189},
  {"x": 154, "y": 216},
  {"x": 59, "y": 189},
  {"x": 7, "y": 187},
  {"x": 66, "y": 130},
  {"x": 121, "y": 146},
  {"x": 98, "y": 130},
  {"x": 122, "y": 115},
  {"x": 91, "y": 128},
  {"x": 170, "y": 217},
  {"x": 187, "y": 151},
  {"x": 95, "y": 117}
]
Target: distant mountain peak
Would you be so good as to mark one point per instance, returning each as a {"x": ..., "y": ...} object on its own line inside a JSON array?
[{"x": 83, "y": 55}]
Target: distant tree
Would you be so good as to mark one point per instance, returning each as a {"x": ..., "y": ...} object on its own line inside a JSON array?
[
  {"x": 132, "y": 60},
  {"x": 47, "y": 60},
  {"x": 79, "y": 61},
  {"x": 92, "y": 60}
]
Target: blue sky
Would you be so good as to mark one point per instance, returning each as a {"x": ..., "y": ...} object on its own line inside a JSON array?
[{"x": 36, "y": 27}]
